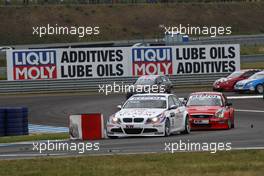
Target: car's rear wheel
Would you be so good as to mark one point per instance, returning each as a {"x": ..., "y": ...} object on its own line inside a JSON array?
[
  {"x": 167, "y": 128},
  {"x": 259, "y": 89},
  {"x": 232, "y": 125},
  {"x": 229, "y": 123},
  {"x": 187, "y": 128}
]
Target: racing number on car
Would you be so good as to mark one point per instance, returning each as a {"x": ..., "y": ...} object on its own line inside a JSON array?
[{"x": 129, "y": 126}]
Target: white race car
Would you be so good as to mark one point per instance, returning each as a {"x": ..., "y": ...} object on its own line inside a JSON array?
[{"x": 149, "y": 115}]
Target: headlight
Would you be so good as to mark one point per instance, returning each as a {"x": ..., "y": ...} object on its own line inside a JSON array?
[
  {"x": 249, "y": 84},
  {"x": 220, "y": 113},
  {"x": 114, "y": 119},
  {"x": 157, "y": 119}
]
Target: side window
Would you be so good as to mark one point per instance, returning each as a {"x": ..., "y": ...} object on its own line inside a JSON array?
[
  {"x": 176, "y": 101},
  {"x": 163, "y": 79},
  {"x": 167, "y": 79},
  {"x": 170, "y": 101},
  {"x": 249, "y": 73},
  {"x": 159, "y": 80}
]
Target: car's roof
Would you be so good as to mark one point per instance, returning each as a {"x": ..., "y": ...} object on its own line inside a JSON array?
[
  {"x": 149, "y": 76},
  {"x": 261, "y": 72},
  {"x": 208, "y": 93},
  {"x": 252, "y": 69},
  {"x": 152, "y": 94}
]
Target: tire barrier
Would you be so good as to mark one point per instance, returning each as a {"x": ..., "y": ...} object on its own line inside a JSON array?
[
  {"x": 2, "y": 122},
  {"x": 15, "y": 121},
  {"x": 86, "y": 126}
]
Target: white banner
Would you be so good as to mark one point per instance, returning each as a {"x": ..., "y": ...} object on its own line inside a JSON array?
[{"x": 121, "y": 61}]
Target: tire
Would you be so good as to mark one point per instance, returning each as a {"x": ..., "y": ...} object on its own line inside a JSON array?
[
  {"x": 232, "y": 125},
  {"x": 167, "y": 128},
  {"x": 112, "y": 137},
  {"x": 187, "y": 128},
  {"x": 259, "y": 89},
  {"x": 229, "y": 124}
]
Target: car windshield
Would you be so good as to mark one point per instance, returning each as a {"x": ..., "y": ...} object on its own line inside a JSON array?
[
  {"x": 145, "y": 104},
  {"x": 257, "y": 76},
  {"x": 235, "y": 74},
  {"x": 204, "y": 100},
  {"x": 145, "y": 81}
]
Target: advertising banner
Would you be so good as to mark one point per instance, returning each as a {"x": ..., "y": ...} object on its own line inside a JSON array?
[{"x": 121, "y": 61}]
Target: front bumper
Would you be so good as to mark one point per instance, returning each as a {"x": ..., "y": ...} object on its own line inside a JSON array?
[
  {"x": 208, "y": 123},
  {"x": 220, "y": 87},
  {"x": 127, "y": 130}
]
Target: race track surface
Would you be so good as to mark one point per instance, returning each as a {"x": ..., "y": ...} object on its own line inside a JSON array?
[{"x": 55, "y": 109}]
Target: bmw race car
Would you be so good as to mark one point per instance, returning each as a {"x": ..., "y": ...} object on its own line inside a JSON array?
[
  {"x": 149, "y": 115},
  {"x": 252, "y": 84},
  {"x": 210, "y": 110},
  {"x": 228, "y": 83},
  {"x": 151, "y": 84}
]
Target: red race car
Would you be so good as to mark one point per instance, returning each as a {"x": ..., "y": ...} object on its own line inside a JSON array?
[
  {"x": 228, "y": 83},
  {"x": 210, "y": 110}
]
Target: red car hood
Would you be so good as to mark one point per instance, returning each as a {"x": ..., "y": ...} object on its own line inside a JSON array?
[{"x": 203, "y": 109}]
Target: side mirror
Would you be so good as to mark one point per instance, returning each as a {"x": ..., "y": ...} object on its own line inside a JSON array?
[
  {"x": 119, "y": 106},
  {"x": 228, "y": 104},
  {"x": 173, "y": 107},
  {"x": 183, "y": 101}
]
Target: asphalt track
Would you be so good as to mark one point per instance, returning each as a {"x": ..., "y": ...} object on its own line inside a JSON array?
[{"x": 55, "y": 109}]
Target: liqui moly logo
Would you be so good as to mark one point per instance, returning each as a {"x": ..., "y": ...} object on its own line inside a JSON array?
[
  {"x": 152, "y": 61},
  {"x": 33, "y": 65}
]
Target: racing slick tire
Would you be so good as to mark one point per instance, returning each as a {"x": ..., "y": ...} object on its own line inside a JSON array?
[
  {"x": 187, "y": 129},
  {"x": 232, "y": 125},
  {"x": 229, "y": 123},
  {"x": 167, "y": 128},
  {"x": 112, "y": 137},
  {"x": 259, "y": 89}
]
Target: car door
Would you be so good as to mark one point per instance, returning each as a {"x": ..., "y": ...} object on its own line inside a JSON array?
[
  {"x": 172, "y": 113},
  {"x": 179, "y": 112}
]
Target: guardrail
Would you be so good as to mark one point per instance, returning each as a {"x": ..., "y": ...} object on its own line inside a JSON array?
[
  {"x": 92, "y": 85},
  {"x": 231, "y": 39}
]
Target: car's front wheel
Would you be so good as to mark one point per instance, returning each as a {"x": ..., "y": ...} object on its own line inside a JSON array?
[
  {"x": 112, "y": 137},
  {"x": 167, "y": 128},
  {"x": 187, "y": 128},
  {"x": 259, "y": 89}
]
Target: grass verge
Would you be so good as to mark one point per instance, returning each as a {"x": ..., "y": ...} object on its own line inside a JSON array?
[
  {"x": 235, "y": 163},
  {"x": 34, "y": 137},
  {"x": 251, "y": 50},
  {"x": 249, "y": 65}
]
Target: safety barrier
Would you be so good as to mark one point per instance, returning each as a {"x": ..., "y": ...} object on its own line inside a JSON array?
[
  {"x": 86, "y": 126},
  {"x": 92, "y": 85},
  {"x": 2, "y": 122},
  {"x": 13, "y": 121}
]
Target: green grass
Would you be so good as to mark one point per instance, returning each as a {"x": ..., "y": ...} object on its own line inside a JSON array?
[
  {"x": 250, "y": 50},
  {"x": 259, "y": 65},
  {"x": 137, "y": 22},
  {"x": 34, "y": 137},
  {"x": 235, "y": 163}
]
